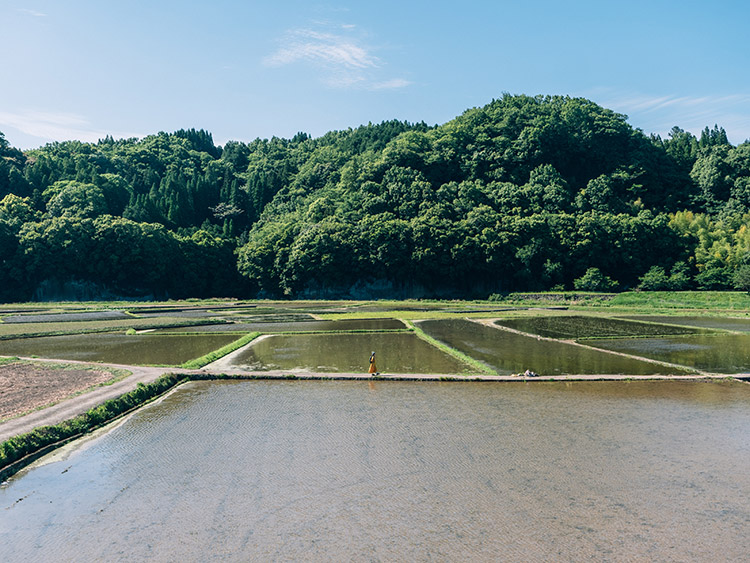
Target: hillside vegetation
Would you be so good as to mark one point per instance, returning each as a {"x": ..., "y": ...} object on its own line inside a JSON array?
[{"x": 523, "y": 194}]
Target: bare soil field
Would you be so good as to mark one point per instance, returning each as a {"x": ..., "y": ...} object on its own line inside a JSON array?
[{"x": 25, "y": 386}]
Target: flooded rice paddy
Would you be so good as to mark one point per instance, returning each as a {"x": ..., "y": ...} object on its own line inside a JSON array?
[
  {"x": 391, "y": 471},
  {"x": 275, "y": 318},
  {"x": 118, "y": 348},
  {"x": 299, "y": 326},
  {"x": 723, "y": 323},
  {"x": 349, "y": 342},
  {"x": 395, "y": 353},
  {"x": 572, "y": 327},
  {"x": 67, "y": 317},
  {"x": 508, "y": 352},
  {"x": 720, "y": 353}
]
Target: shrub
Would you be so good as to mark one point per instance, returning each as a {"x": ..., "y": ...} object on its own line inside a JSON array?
[
  {"x": 655, "y": 279},
  {"x": 714, "y": 278},
  {"x": 594, "y": 280},
  {"x": 741, "y": 278},
  {"x": 680, "y": 277}
]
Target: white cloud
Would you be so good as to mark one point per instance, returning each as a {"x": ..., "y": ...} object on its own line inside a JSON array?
[
  {"x": 325, "y": 49},
  {"x": 32, "y": 13},
  {"x": 391, "y": 84},
  {"x": 344, "y": 61},
  {"x": 659, "y": 113},
  {"x": 50, "y": 126}
]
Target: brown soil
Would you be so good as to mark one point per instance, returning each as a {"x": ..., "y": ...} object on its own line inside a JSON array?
[{"x": 24, "y": 386}]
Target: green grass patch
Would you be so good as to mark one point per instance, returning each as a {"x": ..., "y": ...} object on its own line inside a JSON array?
[
  {"x": 701, "y": 300},
  {"x": 554, "y": 298},
  {"x": 198, "y": 363}
]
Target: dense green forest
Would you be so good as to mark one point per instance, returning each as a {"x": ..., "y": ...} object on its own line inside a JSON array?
[{"x": 525, "y": 193}]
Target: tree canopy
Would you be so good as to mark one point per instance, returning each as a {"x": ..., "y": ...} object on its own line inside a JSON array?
[{"x": 525, "y": 193}]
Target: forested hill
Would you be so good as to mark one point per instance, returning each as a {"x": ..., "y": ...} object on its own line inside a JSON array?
[{"x": 526, "y": 193}]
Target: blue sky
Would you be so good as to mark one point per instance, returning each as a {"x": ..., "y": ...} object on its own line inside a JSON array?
[{"x": 82, "y": 69}]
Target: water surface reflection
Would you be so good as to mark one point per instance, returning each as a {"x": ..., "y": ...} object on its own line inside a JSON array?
[
  {"x": 119, "y": 348},
  {"x": 401, "y": 471},
  {"x": 508, "y": 352}
]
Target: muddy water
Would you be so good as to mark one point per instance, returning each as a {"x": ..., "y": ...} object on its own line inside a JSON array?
[
  {"x": 721, "y": 353},
  {"x": 389, "y": 471},
  {"x": 137, "y": 349},
  {"x": 508, "y": 352},
  {"x": 725, "y": 323},
  {"x": 571, "y": 327},
  {"x": 300, "y": 326},
  {"x": 336, "y": 353}
]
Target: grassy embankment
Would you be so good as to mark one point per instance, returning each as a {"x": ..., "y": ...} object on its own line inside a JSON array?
[
  {"x": 666, "y": 302},
  {"x": 198, "y": 363},
  {"x": 706, "y": 302}
]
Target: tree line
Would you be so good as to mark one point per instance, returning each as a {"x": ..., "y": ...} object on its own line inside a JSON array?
[{"x": 525, "y": 193}]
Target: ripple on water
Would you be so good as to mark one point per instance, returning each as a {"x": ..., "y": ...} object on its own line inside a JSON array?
[{"x": 397, "y": 471}]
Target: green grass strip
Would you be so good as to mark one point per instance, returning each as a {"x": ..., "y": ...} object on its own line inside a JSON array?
[
  {"x": 198, "y": 363},
  {"x": 476, "y": 364},
  {"x": 709, "y": 300}
]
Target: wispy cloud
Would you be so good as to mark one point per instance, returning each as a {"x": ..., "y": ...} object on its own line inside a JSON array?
[
  {"x": 324, "y": 49},
  {"x": 34, "y": 13},
  {"x": 391, "y": 84},
  {"x": 50, "y": 126},
  {"x": 343, "y": 58},
  {"x": 659, "y": 113}
]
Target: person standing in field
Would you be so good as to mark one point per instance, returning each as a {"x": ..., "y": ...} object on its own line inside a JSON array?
[{"x": 373, "y": 369}]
